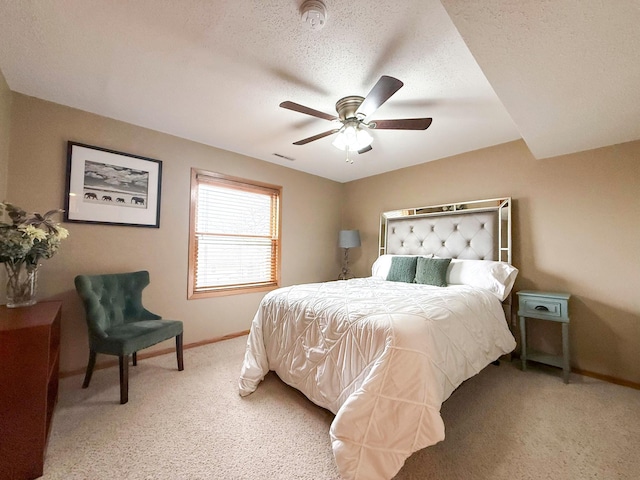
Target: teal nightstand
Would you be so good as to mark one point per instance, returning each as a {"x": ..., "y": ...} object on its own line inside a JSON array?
[{"x": 545, "y": 306}]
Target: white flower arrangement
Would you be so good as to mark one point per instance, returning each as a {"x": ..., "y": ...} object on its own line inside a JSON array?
[{"x": 27, "y": 238}]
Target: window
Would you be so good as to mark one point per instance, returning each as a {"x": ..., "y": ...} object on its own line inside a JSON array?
[{"x": 234, "y": 238}]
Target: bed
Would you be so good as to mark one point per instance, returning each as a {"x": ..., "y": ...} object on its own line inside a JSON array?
[{"x": 383, "y": 352}]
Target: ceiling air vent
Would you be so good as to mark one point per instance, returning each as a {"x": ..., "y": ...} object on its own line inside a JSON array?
[{"x": 284, "y": 157}]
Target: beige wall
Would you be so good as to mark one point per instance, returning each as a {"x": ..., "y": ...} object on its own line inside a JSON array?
[
  {"x": 5, "y": 111},
  {"x": 40, "y": 131},
  {"x": 576, "y": 226},
  {"x": 576, "y": 229}
]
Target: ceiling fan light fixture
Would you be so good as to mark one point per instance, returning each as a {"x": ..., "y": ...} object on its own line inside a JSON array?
[{"x": 352, "y": 137}]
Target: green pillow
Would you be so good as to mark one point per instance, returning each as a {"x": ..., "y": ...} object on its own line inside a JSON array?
[
  {"x": 432, "y": 271},
  {"x": 403, "y": 269}
]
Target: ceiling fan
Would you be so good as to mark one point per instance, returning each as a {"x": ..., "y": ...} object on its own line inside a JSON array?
[{"x": 353, "y": 112}]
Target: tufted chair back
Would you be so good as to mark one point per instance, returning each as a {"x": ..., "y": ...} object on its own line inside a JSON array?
[{"x": 113, "y": 299}]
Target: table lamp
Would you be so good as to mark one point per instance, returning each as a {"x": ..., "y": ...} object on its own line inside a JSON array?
[{"x": 347, "y": 239}]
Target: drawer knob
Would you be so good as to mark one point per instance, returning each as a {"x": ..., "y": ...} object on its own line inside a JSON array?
[{"x": 542, "y": 308}]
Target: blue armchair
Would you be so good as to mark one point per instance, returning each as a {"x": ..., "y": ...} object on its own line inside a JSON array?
[{"x": 119, "y": 324}]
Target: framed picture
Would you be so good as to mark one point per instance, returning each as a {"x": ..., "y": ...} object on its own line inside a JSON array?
[{"x": 112, "y": 188}]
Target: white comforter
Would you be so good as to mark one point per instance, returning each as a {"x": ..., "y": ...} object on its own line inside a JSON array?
[{"x": 382, "y": 356}]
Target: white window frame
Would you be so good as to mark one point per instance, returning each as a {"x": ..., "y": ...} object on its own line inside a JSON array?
[{"x": 202, "y": 176}]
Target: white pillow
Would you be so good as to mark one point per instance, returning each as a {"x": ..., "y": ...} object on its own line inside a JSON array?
[
  {"x": 497, "y": 277},
  {"x": 380, "y": 268}
]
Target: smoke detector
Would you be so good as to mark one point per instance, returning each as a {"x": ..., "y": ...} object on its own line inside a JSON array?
[{"x": 314, "y": 14}]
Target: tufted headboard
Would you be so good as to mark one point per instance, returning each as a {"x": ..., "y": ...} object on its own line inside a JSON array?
[{"x": 478, "y": 230}]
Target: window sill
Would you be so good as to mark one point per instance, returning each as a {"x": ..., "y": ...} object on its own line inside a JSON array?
[{"x": 230, "y": 291}]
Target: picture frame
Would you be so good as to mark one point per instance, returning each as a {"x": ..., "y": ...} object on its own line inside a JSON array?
[{"x": 108, "y": 187}]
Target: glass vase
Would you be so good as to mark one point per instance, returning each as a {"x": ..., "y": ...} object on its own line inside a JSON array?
[{"x": 22, "y": 281}]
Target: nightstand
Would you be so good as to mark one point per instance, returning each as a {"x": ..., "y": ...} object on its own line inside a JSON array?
[{"x": 551, "y": 306}]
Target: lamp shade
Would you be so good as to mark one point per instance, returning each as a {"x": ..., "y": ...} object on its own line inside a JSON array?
[{"x": 349, "y": 238}]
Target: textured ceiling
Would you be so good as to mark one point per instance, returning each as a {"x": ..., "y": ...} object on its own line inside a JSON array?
[
  {"x": 567, "y": 71},
  {"x": 215, "y": 71}
]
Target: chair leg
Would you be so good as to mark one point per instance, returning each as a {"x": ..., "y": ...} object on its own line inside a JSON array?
[
  {"x": 134, "y": 358},
  {"x": 124, "y": 379},
  {"x": 90, "y": 365},
  {"x": 179, "y": 352}
]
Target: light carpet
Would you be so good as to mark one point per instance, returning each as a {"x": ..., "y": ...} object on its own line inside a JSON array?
[{"x": 501, "y": 424}]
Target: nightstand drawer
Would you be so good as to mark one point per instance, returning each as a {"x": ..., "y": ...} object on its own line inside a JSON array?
[
  {"x": 540, "y": 306},
  {"x": 544, "y": 305}
]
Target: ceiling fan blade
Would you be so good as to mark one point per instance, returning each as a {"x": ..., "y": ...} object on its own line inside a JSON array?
[
  {"x": 366, "y": 149},
  {"x": 296, "y": 107},
  {"x": 402, "y": 124},
  {"x": 317, "y": 137},
  {"x": 380, "y": 93}
]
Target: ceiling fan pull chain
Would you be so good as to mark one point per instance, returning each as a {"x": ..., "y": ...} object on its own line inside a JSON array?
[{"x": 348, "y": 159}]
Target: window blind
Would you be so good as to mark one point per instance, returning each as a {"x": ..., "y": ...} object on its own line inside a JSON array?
[{"x": 236, "y": 235}]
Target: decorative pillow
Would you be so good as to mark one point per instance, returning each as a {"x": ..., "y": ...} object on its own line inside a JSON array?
[
  {"x": 403, "y": 269},
  {"x": 382, "y": 265},
  {"x": 432, "y": 271},
  {"x": 497, "y": 277}
]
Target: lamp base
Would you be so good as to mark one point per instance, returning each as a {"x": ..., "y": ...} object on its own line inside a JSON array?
[{"x": 344, "y": 274}]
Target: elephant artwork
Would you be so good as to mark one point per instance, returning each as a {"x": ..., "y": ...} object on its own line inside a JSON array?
[{"x": 109, "y": 187}]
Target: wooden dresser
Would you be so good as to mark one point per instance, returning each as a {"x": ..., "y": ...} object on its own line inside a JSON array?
[{"x": 29, "y": 361}]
